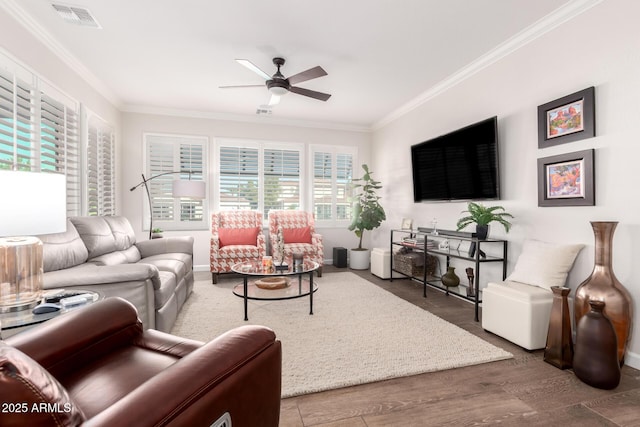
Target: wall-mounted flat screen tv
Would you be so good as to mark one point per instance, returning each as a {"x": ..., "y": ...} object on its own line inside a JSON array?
[{"x": 461, "y": 165}]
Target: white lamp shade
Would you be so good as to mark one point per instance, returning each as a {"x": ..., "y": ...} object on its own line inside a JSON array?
[
  {"x": 192, "y": 189},
  {"x": 32, "y": 203}
]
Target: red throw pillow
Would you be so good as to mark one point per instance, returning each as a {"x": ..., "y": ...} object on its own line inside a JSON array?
[
  {"x": 297, "y": 235},
  {"x": 238, "y": 236}
]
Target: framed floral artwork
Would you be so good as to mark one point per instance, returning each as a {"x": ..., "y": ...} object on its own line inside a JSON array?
[
  {"x": 567, "y": 119},
  {"x": 567, "y": 179}
]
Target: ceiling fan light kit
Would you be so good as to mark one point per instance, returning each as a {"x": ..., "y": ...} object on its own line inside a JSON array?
[{"x": 279, "y": 86}]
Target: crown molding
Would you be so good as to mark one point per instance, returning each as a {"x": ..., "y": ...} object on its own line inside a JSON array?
[
  {"x": 556, "y": 18},
  {"x": 263, "y": 120},
  {"x": 50, "y": 42}
]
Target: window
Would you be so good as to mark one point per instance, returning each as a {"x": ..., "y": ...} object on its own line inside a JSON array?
[
  {"x": 185, "y": 155},
  {"x": 39, "y": 130},
  {"x": 259, "y": 175},
  {"x": 100, "y": 168},
  {"x": 332, "y": 176}
]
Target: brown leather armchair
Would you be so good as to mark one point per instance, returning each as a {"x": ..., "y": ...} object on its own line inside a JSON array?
[{"x": 97, "y": 367}]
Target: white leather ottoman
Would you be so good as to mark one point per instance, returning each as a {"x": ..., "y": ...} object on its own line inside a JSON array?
[{"x": 517, "y": 312}]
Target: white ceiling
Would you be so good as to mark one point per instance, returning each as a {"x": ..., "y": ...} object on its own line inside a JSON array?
[{"x": 381, "y": 56}]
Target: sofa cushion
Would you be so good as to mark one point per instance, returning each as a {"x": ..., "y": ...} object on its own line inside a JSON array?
[
  {"x": 96, "y": 234},
  {"x": 122, "y": 232},
  {"x": 33, "y": 397},
  {"x": 175, "y": 265},
  {"x": 238, "y": 236},
  {"x": 544, "y": 264},
  {"x": 127, "y": 256},
  {"x": 165, "y": 291},
  {"x": 63, "y": 250}
]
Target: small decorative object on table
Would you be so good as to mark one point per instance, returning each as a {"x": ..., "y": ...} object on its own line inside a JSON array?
[
  {"x": 450, "y": 279},
  {"x": 434, "y": 227},
  {"x": 156, "y": 233},
  {"x": 267, "y": 264},
  {"x": 596, "y": 355},
  {"x": 298, "y": 260},
  {"x": 272, "y": 283},
  {"x": 471, "y": 290},
  {"x": 281, "y": 264}
]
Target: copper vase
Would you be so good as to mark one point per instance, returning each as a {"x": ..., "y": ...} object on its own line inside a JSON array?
[
  {"x": 559, "y": 349},
  {"x": 603, "y": 285},
  {"x": 596, "y": 357}
]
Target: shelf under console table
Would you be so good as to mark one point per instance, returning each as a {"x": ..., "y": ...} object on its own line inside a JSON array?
[{"x": 425, "y": 243}]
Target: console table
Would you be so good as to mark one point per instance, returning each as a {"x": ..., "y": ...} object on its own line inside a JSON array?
[{"x": 425, "y": 241}]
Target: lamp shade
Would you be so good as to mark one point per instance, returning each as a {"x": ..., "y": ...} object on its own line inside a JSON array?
[
  {"x": 32, "y": 203},
  {"x": 192, "y": 189}
]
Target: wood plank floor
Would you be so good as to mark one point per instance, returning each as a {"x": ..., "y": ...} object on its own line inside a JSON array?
[{"x": 520, "y": 391}]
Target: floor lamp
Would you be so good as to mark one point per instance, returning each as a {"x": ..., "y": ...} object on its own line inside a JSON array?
[
  {"x": 180, "y": 188},
  {"x": 32, "y": 204}
]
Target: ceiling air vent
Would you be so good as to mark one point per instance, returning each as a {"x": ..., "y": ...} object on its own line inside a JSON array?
[
  {"x": 76, "y": 15},
  {"x": 264, "y": 109}
]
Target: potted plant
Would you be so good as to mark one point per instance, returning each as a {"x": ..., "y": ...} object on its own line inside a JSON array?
[
  {"x": 367, "y": 215},
  {"x": 482, "y": 215},
  {"x": 156, "y": 233}
]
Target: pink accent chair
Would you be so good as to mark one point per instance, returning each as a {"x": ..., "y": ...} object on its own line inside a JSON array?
[
  {"x": 236, "y": 236},
  {"x": 299, "y": 236}
]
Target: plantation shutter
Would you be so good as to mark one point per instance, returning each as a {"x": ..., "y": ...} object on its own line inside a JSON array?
[
  {"x": 100, "y": 168},
  {"x": 332, "y": 178},
  {"x": 191, "y": 159},
  {"x": 239, "y": 177},
  {"x": 160, "y": 160},
  {"x": 166, "y": 154},
  {"x": 343, "y": 193},
  {"x": 59, "y": 147},
  {"x": 17, "y": 123},
  {"x": 322, "y": 185},
  {"x": 281, "y": 180}
]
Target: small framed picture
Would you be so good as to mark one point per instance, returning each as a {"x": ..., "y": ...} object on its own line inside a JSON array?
[
  {"x": 407, "y": 223},
  {"x": 567, "y": 119},
  {"x": 567, "y": 179}
]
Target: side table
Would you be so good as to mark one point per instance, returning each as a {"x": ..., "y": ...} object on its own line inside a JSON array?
[{"x": 18, "y": 321}]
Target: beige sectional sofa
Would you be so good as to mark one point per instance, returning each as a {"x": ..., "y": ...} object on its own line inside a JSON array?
[{"x": 101, "y": 254}]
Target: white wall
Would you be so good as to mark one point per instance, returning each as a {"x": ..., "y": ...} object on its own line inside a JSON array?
[
  {"x": 135, "y": 124},
  {"x": 598, "y": 48}
]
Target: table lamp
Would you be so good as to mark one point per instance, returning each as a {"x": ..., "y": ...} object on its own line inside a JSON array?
[{"x": 32, "y": 204}]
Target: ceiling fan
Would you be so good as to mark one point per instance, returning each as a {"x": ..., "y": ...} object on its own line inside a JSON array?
[{"x": 278, "y": 85}]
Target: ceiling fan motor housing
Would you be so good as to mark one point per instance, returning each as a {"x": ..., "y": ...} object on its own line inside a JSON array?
[{"x": 278, "y": 85}]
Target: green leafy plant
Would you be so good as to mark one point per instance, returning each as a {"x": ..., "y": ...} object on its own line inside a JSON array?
[
  {"x": 482, "y": 215},
  {"x": 157, "y": 230},
  {"x": 367, "y": 212}
]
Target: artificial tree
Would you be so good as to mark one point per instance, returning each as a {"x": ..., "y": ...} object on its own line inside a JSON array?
[{"x": 367, "y": 212}]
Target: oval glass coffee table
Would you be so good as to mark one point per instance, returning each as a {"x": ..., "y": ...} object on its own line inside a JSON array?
[{"x": 268, "y": 287}]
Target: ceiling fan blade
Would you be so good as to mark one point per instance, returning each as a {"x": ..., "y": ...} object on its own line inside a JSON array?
[
  {"x": 238, "y": 86},
  {"x": 275, "y": 100},
  {"x": 310, "y": 93},
  {"x": 250, "y": 65},
  {"x": 311, "y": 73}
]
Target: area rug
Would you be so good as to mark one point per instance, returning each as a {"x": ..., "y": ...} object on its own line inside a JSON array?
[{"x": 359, "y": 333}]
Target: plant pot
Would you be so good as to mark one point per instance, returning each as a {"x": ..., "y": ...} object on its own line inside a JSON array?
[{"x": 359, "y": 259}]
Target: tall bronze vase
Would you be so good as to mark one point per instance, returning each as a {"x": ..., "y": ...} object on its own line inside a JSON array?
[
  {"x": 603, "y": 285},
  {"x": 596, "y": 357}
]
